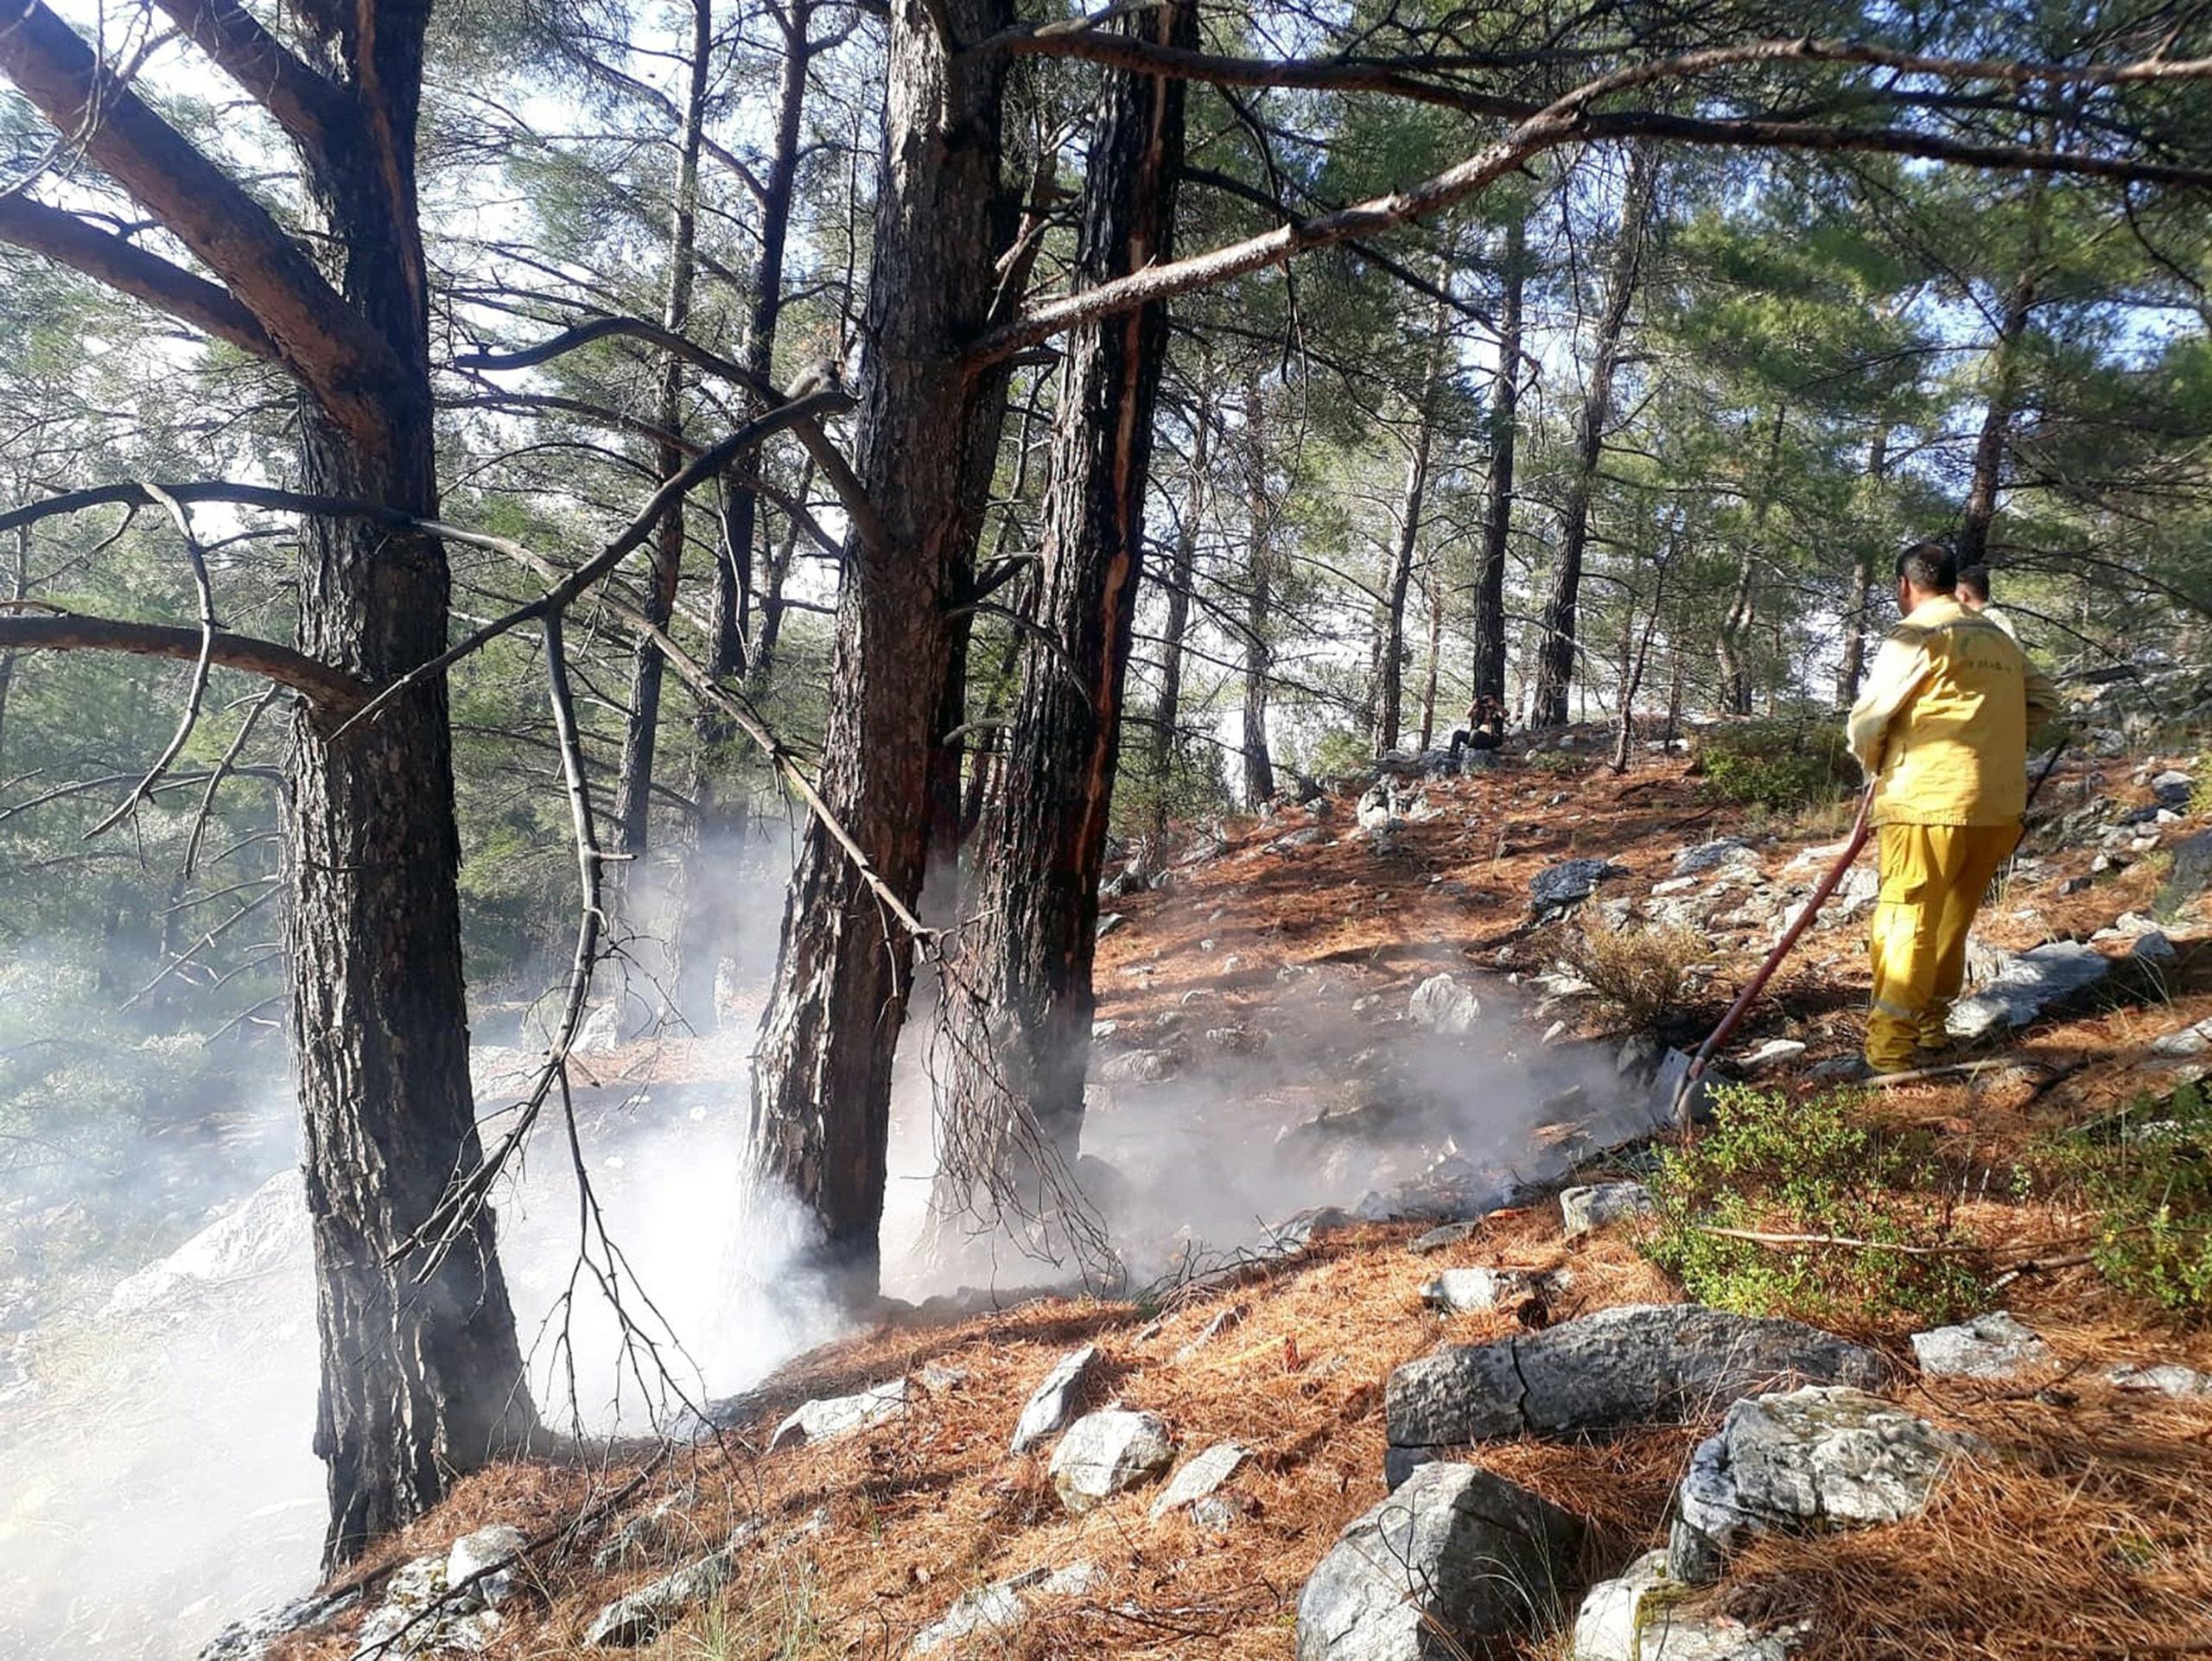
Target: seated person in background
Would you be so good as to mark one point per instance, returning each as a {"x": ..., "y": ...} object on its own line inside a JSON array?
[
  {"x": 1485, "y": 728},
  {"x": 1973, "y": 595}
]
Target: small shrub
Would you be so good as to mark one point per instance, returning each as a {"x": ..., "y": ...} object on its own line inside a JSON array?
[
  {"x": 1637, "y": 974},
  {"x": 1772, "y": 1165},
  {"x": 1782, "y": 766},
  {"x": 2146, "y": 1174},
  {"x": 1558, "y": 764}
]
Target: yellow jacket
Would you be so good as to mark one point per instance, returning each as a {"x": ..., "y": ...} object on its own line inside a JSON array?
[{"x": 1942, "y": 724}]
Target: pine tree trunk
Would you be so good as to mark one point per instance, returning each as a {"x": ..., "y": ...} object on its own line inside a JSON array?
[
  {"x": 1182, "y": 574},
  {"x": 1259, "y": 771},
  {"x": 928, "y": 436},
  {"x": 1861, "y": 585},
  {"x": 1497, "y": 522},
  {"x": 1391, "y": 681},
  {"x": 2004, "y": 391},
  {"x": 1555, "y": 647},
  {"x": 633, "y": 784},
  {"x": 422, "y": 1375},
  {"x": 708, "y": 919},
  {"x": 1022, "y": 1013},
  {"x": 1736, "y": 624},
  {"x": 1433, "y": 591}
]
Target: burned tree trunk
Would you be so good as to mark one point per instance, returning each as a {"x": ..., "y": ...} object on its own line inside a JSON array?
[
  {"x": 1182, "y": 574},
  {"x": 927, "y": 440},
  {"x": 1019, "y": 1014},
  {"x": 422, "y": 1376},
  {"x": 1259, "y": 771},
  {"x": 1556, "y": 648},
  {"x": 1498, "y": 523}
]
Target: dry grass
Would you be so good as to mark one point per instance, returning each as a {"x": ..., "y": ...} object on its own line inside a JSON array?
[{"x": 1637, "y": 973}]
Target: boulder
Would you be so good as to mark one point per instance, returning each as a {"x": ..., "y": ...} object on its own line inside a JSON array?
[
  {"x": 1583, "y": 1209},
  {"x": 268, "y": 1232},
  {"x": 841, "y": 1415},
  {"x": 1636, "y": 1364},
  {"x": 1108, "y": 923},
  {"x": 1441, "y": 1004},
  {"x": 1105, "y": 1453},
  {"x": 1053, "y": 1404},
  {"x": 1473, "y": 1291},
  {"x": 1989, "y": 1347},
  {"x": 1723, "y": 853},
  {"x": 1199, "y": 1477},
  {"x": 2166, "y": 1379},
  {"x": 1455, "y": 1558},
  {"x": 1140, "y": 1067},
  {"x": 2025, "y": 984},
  {"x": 1804, "y": 1462},
  {"x": 1569, "y": 883},
  {"x": 2191, "y": 874},
  {"x": 1641, "y": 1616},
  {"x": 646, "y": 1613}
]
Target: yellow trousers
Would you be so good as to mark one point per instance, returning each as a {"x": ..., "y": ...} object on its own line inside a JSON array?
[{"x": 1934, "y": 877}]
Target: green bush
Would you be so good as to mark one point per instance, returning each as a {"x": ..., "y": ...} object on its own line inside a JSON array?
[
  {"x": 1560, "y": 764},
  {"x": 2146, "y": 1174},
  {"x": 1771, "y": 1165},
  {"x": 1779, "y": 765}
]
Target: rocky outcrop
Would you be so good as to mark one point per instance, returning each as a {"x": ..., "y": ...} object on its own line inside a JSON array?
[
  {"x": 1106, "y": 1453},
  {"x": 1639, "y": 1364},
  {"x": 1805, "y": 1461},
  {"x": 256, "y": 1637},
  {"x": 445, "y": 1602},
  {"x": 1454, "y": 1558},
  {"x": 1053, "y": 1404},
  {"x": 1569, "y": 883},
  {"x": 1478, "y": 1290}
]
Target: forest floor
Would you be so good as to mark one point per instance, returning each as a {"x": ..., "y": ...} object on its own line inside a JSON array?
[{"x": 2084, "y": 1528}]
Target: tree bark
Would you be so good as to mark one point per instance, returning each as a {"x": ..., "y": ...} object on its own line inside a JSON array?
[
  {"x": 633, "y": 785},
  {"x": 1861, "y": 584},
  {"x": 1556, "y": 648},
  {"x": 1433, "y": 592},
  {"x": 1736, "y": 624},
  {"x": 1259, "y": 771},
  {"x": 1505, "y": 424},
  {"x": 1182, "y": 574},
  {"x": 707, "y": 918},
  {"x": 1019, "y": 1013},
  {"x": 1390, "y": 680},
  {"x": 928, "y": 436},
  {"x": 1990, "y": 447}
]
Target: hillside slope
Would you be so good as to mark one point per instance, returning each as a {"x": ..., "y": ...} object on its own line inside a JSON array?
[{"x": 1265, "y": 986}]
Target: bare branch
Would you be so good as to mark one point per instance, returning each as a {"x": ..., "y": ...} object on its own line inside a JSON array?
[
  {"x": 303, "y": 103},
  {"x": 331, "y": 690},
  {"x": 124, "y": 267}
]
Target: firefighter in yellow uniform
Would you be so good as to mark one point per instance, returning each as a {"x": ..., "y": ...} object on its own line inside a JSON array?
[{"x": 1941, "y": 727}]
